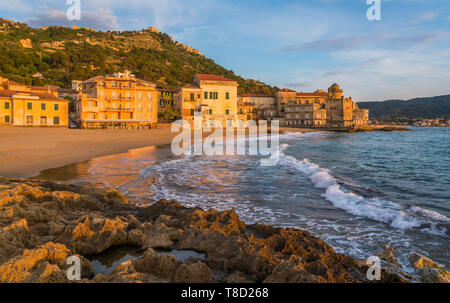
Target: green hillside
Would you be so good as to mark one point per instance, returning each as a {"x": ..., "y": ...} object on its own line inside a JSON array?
[
  {"x": 427, "y": 108},
  {"x": 63, "y": 54}
]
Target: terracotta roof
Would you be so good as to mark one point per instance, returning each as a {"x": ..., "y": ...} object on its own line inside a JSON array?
[
  {"x": 10, "y": 82},
  {"x": 256, "y": 95},
  {"x": 67, "y": 90},
  {"x": 42, "y": 96},
  {"x": 316, "y": 94},
  {"x": 287, "y": 90},
  {"x": 208, "y": 77},
  {"x": 191, "y": 86}
]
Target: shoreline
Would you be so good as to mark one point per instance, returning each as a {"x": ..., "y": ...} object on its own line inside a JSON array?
[
  {"x": 26, "y": 152},
  {"x": 49, "y": 222}
]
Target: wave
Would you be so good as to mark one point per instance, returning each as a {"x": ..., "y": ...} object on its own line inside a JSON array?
[{"x": 373, "y": 208}]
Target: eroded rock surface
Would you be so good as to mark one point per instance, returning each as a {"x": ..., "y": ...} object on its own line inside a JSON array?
[{"x": 43, "y": 223}]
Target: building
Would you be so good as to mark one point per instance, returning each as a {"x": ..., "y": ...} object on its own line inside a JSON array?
[
  {"x": 259, "y": 101},
  {"x": 22, "y": 105},
  {"x": 167, "y": 100},
  {"x": 214, "y": 97},
  {"x": 246, "y": 111},
  {"x": 77, "y": 85},
  {"x": 119, "y": 100},
  {"x": 330, "y": 109},
  {"x": 306, "y": 114}
]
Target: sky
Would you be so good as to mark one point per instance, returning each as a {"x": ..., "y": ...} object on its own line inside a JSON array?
[{"x": 299, "y": 44}]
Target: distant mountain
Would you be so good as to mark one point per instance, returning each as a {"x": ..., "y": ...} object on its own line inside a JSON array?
[
  {"x": 63, "y": 54},
  {"x": 428, "y": 108}
]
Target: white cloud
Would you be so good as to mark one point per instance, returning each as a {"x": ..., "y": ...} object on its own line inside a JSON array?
[{"x": 101, "y": 19}]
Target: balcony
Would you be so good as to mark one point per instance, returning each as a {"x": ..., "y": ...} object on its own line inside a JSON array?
[{"x": 120, "y": 109}]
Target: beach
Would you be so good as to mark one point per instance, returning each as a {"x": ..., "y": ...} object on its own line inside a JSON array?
[{"x": 26, "y": 151}]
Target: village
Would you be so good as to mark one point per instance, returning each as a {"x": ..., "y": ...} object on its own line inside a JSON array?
[{"x": 123, "y": 101}]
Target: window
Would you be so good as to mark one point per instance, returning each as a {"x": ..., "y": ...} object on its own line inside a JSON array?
[
  {"x": 227, "y": 95},
  {"x": 6, "y": 105},
  {"x": 139, "y": 106},
  {"x": 56, "y": 106},
  {"x": 139, "y": 95},
  {"x": 192, "y": 97},
  {"x": 102, "y": 93},
  {"x": 210, "y": 111},
  {"x": 149, "y": 107},
  {"x": 205, "y": 95},
  {"x": 56, "y": 120},
  {"x": 128, "y": 95},
  {"x": 192, "y": 112},
  {"x": 30, "y": 106},
  {"x": 43, "y": 106},
  {"x": 30, "y": 120},
  {"x": 211, "y": 95},
  {"x": 114, "y": 95},
  {"x": 114, "y": 84},
  {"x": 162, "y": 94},
  {"x": 43, "y": 120},
  {"x": 149, "y": 96},
  {"x": 198, "y": 96},
  {"x": 227, "y": 111},
  {"x": 171, "y": 103},
  {"x": 6, "y": 119}
]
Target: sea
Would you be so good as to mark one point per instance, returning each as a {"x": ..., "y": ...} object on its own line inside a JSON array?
[{"x": 356, "y": 191}]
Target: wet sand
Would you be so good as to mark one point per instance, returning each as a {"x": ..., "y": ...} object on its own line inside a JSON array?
[{"x": 24, "y": 152}]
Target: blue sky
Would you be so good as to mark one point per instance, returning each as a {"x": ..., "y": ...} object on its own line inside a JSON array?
[{"x": 299, "y": 44}]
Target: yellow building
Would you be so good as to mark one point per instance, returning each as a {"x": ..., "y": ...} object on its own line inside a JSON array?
[
  {"x": 246, "y": 111},
  {"x": 330, "y": 109},
  {"x": 213, "y": 96},
  {"x": 118, "y": 101},
  {"x": 22, "y": 105}
]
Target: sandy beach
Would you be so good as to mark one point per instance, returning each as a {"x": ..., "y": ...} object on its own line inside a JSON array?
[{"x": 24, "y": 152}]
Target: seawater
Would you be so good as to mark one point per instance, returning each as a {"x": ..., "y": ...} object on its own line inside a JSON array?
[{"x": 356, "y": 191}]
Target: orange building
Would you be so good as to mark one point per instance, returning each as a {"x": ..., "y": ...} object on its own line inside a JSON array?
[
  {"x": 22, "y": 105},
  {"x": 118, "y": 101}
]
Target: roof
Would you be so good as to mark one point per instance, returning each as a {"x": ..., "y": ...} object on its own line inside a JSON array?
[
  {"x": 67, "y": 91},
  {"x": 287, "y": 90},
  {"x": 208, "y": 77},
  {"x": 41, "y": 96},
  {"x": 258, "y": 95},
  {"x": 10, "y": 82},
  {"x": 191, "y": 86},
  {"x": 316, "y": 94}
]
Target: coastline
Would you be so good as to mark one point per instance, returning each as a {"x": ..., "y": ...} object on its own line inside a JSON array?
[
  {"x": 47, "y": 222},
  {"x": 26, "y": 151}
]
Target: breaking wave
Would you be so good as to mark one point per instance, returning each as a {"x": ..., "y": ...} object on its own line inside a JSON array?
[{"x": 373, "y": 208}]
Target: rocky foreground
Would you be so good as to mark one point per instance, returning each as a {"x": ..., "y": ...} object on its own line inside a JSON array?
[{"x": 43, "y": 223}]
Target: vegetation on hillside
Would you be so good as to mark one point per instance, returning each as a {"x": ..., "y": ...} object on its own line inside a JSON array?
[
  {"x": 63, "y": 54},
  {"x": 427, "y": 108}
]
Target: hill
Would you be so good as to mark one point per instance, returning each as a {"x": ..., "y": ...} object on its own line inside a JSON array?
[
  {"x": 64, "y": 54},
  {"x": 427, "y": 108}
]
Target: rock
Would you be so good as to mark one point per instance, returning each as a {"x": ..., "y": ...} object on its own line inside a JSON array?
[
  {"x": 57, "y": 220},
  {"x": 162, "y": 266},
  {"x": 434, "y": 275},
  {"x": 237, "y": 277},
  {"x": 388, "y": 256},
  {"x": 420, "y": 261},
  {"x": 193, "y": 273},
  {"x": 43, "y": 264}
]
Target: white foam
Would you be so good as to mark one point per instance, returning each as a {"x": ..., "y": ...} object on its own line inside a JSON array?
[{"x": 373, "y": 208}]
